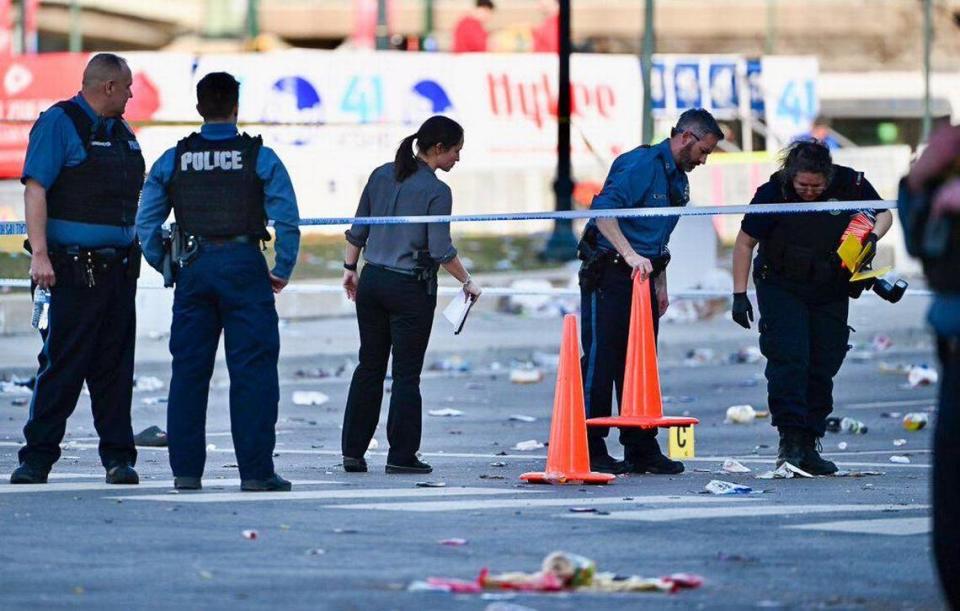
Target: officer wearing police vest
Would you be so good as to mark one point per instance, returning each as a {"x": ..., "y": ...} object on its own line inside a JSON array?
[
  {"x": 803, "y": 292},
  {"x": 929, "y": 207},
  {"x": 83, "y": 173},
  {"x": 613, "y": 251},
  {"x": 223, "y": 186}
]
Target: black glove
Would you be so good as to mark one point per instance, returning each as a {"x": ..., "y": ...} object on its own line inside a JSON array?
[
  {"x": 869, "y": 245},
  {"x": 742, "y": 310}
]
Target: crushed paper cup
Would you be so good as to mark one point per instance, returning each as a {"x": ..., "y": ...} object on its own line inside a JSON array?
[{"x": 734, "y": 466}]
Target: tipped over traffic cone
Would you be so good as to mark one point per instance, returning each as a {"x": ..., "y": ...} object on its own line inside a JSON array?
[
  {"x": 641, "y": 406},
  {"x": 568, "y": 460}
]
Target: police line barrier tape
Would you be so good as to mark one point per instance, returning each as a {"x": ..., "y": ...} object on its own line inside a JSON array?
[
  {"x": 20, "y": 228},
  {"x": 315, "y": 289}
]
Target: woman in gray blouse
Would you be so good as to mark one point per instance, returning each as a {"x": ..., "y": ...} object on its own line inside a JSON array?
[{"x": 396, "y": 294}]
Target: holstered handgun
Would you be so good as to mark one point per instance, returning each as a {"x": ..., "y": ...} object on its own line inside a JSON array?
[
  {"x": 179, "y": 249},
  {"x": 426, "y": 270}
]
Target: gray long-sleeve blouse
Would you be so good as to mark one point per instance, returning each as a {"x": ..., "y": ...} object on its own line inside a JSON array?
[{"x": 422, "y": 193}]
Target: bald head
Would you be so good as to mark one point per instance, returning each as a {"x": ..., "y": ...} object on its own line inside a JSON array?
[{"x": 106, "y": 84}]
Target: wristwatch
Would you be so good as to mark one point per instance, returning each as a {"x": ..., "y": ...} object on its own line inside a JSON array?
[{"x": 352, "y": 267}]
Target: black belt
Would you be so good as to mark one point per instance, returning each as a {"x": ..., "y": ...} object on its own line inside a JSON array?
[
  {"x": 236, "y": 239},
  {"x": 396, "y": 270},
  {"x": 616, "y": 260},
  {"x": 108, "y": 254}
]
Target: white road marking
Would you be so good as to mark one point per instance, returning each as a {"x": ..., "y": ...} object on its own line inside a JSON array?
[
  {"x": 473, "y": 504},
  {"x": 886, "y": 526},
  {"x": 101, "y": 485},
  {"x": 740, "y": 511},
  {"x": 312, "y": 495},
  {"x": 901, "y": 403},
  {"x": 75, "y": 475},
  {"x": 772, "y": 461}
]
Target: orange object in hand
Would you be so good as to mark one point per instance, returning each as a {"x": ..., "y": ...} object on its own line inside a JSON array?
[{"x": 861, "y": 224}]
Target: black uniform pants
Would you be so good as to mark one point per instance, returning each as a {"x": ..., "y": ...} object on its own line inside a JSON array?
[
  {"x": 394, "y": 313},
  {"x": 805, "y": 342},
  {"x": 90, "y": 338},
  {"x": 946, "y": 472},
  {"x": 604, "y": 329}
]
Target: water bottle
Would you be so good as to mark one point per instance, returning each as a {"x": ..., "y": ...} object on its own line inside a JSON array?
[
  {"x": 853, "y": 427},
  {"x": 41, "y": 307}
]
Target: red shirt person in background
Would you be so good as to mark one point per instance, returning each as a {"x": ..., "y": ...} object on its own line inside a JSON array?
[
  {"x": 470, "y": 34},
  {"x": 546, "y": 36}
]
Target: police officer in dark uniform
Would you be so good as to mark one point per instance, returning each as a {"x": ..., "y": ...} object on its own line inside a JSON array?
[
  {"x": 929, "y": 206},
  {"x": 83, "y": 174},
  {"x": 613, "y": 251},
  {"x": 223, "y": 186},
  {"x": 803, "y": 293}
]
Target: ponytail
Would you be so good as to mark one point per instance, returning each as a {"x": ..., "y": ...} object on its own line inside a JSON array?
[
  {"x": 405, "y": 163},
  {"x": 438, "y": 129}
]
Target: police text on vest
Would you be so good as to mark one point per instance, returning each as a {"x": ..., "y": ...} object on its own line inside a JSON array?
[{"x": 211, "y": 160}]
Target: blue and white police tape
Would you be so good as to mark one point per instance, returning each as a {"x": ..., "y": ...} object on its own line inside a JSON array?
[
  {"x": 20, "y": 228},
  {"x": 321, "y": 288}
]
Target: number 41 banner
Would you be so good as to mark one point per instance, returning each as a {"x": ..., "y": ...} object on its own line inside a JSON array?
[{"x": 790, "y": 98}]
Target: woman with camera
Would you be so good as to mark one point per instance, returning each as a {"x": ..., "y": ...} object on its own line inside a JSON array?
[{"x": 803, "y": 291}]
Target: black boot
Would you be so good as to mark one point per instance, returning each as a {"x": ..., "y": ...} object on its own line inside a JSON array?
[
  {"x": 791, "y": 446},
  {"x": 812, "y": 462},
  {"x": 646, "y": 457},
  {"x": 600, "y": 459}
]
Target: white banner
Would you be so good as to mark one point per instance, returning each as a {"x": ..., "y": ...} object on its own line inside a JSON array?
[{"x": 790, "y": 97}]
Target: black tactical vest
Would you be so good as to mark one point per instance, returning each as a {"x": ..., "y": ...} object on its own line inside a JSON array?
[
  {"x": 105, "y": 188},
  {"x": 215, "y": 189},
  {"x": 803, "y": 247}
]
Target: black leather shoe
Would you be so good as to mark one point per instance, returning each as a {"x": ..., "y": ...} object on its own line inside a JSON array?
[
  {"x": 657, "y": 464},
  {"x": 354, "y": 465},
  {"x": 607, "y": 464},
  {"x": 414, "y": 465},
  {"x": 187, "y": 483},
  {"x": 27, "y": 474},
  {"x": 123, "y": 474},
  {"x": 791, "y": 448},
  {"x": 274, "y": 483},
  {"x": 812, "y": 462}
]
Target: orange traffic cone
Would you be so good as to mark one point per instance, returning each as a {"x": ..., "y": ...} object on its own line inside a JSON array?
[
  {"x": 641, "y": 406},
  {"x": 568, "y": 460}
]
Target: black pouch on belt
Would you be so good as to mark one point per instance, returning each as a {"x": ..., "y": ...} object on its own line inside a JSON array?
[{"x": 591, "y": 268}]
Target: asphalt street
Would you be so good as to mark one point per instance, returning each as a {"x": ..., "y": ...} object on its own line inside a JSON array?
[{"x": 356, "y": 541}]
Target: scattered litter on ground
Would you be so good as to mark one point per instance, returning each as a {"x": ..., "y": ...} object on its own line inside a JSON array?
[
  {"x": 560, "y": 571},
  {"x": 14, "y": 389},
  {"x": 699, "y": 356},
  {"x": 539, "y": 306},
  {"x": 740, "y": 414},
  {"x": 721, "y": 487},
  {"x": 530, "y": 444},
  {"x": 474, "y": 386},
  {"x": 446, "y": 412},
  {"x": 147, "y": 383},
  {"x": 431, "y": 484},
  {"x": 453, "y": 542},
  {"x": 583, "y": 510},
  {"x": 345, "y": 531},
  {"x": 678, "y": 399},
  {"x": 914, "y": 421},
  {"x": 309, "y": 397},
  {"x": 154, "y": 400},
  {"x": 846, "y": 473},
  {"x": 526, "y": 374},
  {"x": 211, "y": 447},
  {"x": 312, "y": 374},
  {"x": 315, "y": 551},
  {"x": 250, "y": 534},
  {"x": 453, "y": 364},
  {"x": 522, "y": 418},
  {"x": 784, "y": 471},
  {"x": 747, "y": 354},
  {"x": 921, "y": 375},
  {"x": 881, "y": 343},
  {"x": 499, "y": 463},
  {"x": 900, "y": 460},
  {"x": 842, "y": 445},
  {"x": 846, "y": 425},
  {"x": 734, "y": 466},
  {"x": 19, "y": 401},
  {"x": 374, "y": 444},
  {"x": 891, "y": 415},
  {"x": 547, "y": 361},
  {"x": 151, "y": 437},
  {"x": 899, "y": 442},
  {"x": 486, "y": 476}
]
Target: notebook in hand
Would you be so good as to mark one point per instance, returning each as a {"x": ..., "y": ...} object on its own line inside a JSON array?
[{"x": 457, "y": 310}]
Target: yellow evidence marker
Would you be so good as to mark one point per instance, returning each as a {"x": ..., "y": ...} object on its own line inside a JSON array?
[{"x": 681, "y": 442}]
